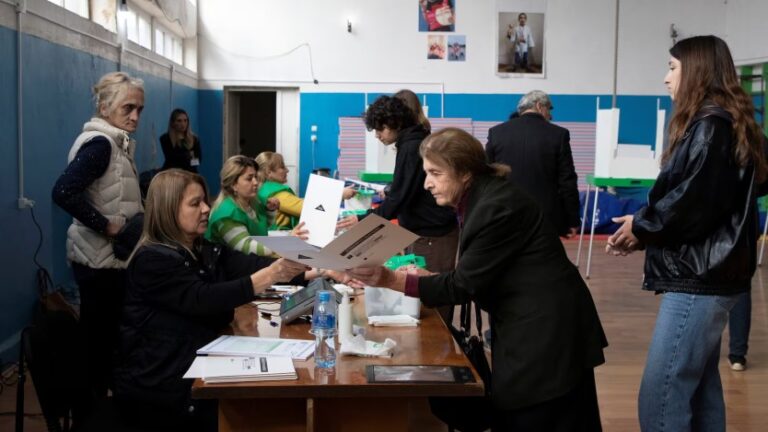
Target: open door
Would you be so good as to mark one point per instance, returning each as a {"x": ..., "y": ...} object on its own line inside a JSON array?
[{"x": 260, "y": 119}]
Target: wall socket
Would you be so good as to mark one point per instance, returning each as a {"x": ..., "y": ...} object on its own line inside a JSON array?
[{"x": 25, "y": 202}]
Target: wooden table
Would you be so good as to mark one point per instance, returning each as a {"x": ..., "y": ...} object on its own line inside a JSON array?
[{"x": 343, "y": 401}]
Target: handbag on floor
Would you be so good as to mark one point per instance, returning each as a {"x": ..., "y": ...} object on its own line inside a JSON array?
[{"x": 467, "y": 414}]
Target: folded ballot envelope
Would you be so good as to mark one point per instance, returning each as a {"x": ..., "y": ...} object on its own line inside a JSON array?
[{"x": 371, "y": 242}]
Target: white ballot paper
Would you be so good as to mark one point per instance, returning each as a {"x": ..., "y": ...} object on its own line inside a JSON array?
[
  {"x": 371, "y": 242},
  {"x": 226, "y": 345},
  {"x": 321, "y": 208},
  {"x": 240, "y": 369}
]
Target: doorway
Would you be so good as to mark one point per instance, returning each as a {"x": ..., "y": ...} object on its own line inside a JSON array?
[{"x": 258, "y": 119}]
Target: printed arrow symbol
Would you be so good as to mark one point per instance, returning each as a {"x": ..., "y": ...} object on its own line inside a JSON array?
[
  {"x": 320, "y": 207},
  {"x": 304, "y": 257}
]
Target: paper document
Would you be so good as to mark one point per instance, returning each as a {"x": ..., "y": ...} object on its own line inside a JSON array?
[
  {"x": 375, "y": 186},
  {"x": 371, "y": 242},
  {"x": 321, "y": 208},
  {"x": 238, "y": 369},
  {"x": 298, "y": 349}
]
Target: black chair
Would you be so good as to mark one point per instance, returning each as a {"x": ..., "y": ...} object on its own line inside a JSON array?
[{"x": 52, "y": 350}]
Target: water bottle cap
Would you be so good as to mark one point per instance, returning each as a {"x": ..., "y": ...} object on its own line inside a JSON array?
[{"x": 324, "y": 296}]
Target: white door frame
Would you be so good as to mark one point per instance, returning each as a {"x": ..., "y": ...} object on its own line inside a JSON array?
[{"x": 287, "y": 112}]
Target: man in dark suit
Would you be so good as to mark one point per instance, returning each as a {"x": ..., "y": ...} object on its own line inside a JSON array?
[{"x": 539, "y": 154}]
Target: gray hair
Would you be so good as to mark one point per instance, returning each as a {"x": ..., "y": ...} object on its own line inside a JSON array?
[
  {"x": 110, "y": 88},
  {"x": 532, "y": 98}
]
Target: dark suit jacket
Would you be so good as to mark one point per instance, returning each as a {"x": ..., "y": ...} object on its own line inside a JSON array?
[
  {"x": 545, "y": 328},
  {"x": 539, "y": 153}
]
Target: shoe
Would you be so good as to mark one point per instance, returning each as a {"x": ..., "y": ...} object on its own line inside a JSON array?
[{"x": 738, "y": 363}]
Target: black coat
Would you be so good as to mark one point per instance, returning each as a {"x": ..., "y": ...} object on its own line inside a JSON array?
[
  {"x": 539, "y": 154},
  {"x": 180, "y": 157},
  {"x": 408, "y": 201},
  {"x": 175, "y": 304},
  {"x": 700, "y": 226},
  {"x": 545, "y": 328}
]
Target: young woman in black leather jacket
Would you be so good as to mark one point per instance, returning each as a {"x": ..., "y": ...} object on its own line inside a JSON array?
[{"x": 699, "y": 231}]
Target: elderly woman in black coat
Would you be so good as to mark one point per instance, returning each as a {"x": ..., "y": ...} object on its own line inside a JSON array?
[{"x": 547, "y": 336}]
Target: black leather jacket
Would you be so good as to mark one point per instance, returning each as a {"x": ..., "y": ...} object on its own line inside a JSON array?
[{"x": 700, "y": 225}]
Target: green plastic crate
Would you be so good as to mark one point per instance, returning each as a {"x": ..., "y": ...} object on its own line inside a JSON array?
[
  {"x": 375, "y": 177},
  {"x": 401, "y": 260}
]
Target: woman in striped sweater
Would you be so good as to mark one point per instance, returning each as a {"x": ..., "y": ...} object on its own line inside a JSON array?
[{"x": 236, "y": 216}]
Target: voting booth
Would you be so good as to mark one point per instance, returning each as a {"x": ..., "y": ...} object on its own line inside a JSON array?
[{"x": 635, "y": 161}]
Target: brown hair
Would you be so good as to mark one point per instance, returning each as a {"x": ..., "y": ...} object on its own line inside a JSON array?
[
  {"x": 459, "y": 151},
  {"x": 166, "y": 192},
  {"x": 233, "y": 168},
  {"x": 410, "y": 100},
  {"x": 268, "y": 161},
  {"x": 708, "y": 75},
  {"x": 189, "y": 137}
]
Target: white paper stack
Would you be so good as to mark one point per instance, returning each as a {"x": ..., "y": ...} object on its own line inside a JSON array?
[
  {"x": 299, "y": 349},
  {"x": 215, "y": 369}
]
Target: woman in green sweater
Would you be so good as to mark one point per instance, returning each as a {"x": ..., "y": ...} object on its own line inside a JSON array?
[
  {"x": 273, "y": 175},
  {"x": 237, "y": 215}
]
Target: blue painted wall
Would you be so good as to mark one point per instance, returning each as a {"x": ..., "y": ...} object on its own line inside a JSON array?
[{"x": 56, "y": 102}]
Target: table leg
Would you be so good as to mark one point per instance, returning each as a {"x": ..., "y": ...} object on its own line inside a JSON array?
[
  {"x": 583, "y": 222},
  {"x": 592, "y": 231}
]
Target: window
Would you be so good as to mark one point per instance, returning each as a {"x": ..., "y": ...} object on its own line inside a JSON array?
[
  {"x": 79, "y": 7},
  {"x": 139, "y": 29},
  {"x": 168, "y": 45}
]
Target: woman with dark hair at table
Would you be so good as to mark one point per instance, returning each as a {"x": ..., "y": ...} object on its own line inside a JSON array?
[
  {"x": 547, "y": 336},
  {"x": 699, "y": 231},
  {"x": 181, "y": 294}
]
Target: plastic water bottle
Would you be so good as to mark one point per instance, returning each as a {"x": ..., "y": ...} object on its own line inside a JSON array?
[{"x": 324, "y": 328}]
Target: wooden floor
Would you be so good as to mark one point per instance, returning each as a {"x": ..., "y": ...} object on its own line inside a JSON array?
[{"x": 628, "y": 315}]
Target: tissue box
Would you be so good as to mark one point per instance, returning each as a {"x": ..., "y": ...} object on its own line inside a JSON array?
[{"x": 384, "y": 301}]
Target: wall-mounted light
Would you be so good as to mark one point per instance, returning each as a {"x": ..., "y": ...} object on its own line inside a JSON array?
[
  {"x": 122, "y": 10},
  {"x": 349, "y": 26}
]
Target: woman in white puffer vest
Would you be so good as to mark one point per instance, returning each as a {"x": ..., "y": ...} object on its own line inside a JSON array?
[{"x": 100, "y": 189}]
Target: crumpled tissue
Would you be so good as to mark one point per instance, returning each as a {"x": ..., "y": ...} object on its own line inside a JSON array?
[
  {"x": 393, "y": 321},
  {"x": 364, "y": 348}
]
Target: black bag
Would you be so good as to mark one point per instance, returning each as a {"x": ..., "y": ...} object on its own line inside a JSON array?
[{"x": 467, "y": 414}]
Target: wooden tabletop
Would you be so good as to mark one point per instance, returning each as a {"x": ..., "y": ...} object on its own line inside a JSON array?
[{"x": 429, "y": 343}]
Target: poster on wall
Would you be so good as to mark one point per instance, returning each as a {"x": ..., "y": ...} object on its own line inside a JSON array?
[
  {"x": 436, "y": 15},
  {"x": 435, "y": 47},
  {"x": 520, "y": 38},
  {"x": 457, "y": 48}
]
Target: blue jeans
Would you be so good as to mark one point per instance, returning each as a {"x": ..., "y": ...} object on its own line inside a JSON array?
[
  {"x": 681, "y": 389},
  {"x": 738, "y": 326}
]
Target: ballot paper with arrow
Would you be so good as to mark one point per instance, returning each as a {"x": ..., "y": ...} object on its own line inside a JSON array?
[
  {"x": 321, "y": 208},
  {"x": 371, "y": 242}
]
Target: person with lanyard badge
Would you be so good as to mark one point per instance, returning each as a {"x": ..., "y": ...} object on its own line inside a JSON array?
[{"x": 181, "y": 147}]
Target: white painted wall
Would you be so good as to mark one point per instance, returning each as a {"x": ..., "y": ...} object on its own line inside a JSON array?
[
  {"x": 241, "y": 42},
  {"x": 747, "y": 31}
]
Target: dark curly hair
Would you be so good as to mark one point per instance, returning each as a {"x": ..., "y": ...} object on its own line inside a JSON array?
[{"x": 390, "y": 112}]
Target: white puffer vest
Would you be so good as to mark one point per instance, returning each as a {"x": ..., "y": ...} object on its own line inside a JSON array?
[{"x": 116, "y": 195}]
